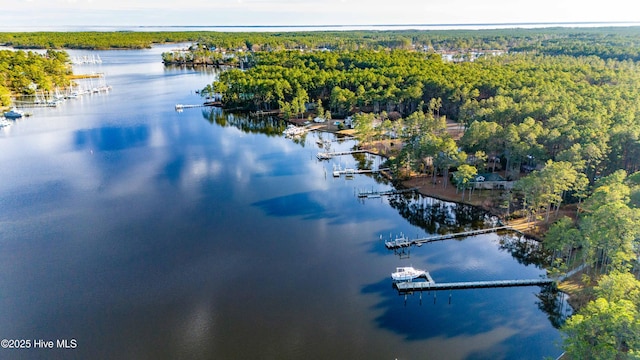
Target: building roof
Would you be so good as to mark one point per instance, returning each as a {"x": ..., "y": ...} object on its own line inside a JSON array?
[{"x": 489, "y": 177}]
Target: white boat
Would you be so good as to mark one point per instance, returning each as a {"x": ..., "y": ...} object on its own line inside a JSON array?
[
  {"x": 337, "y": 170},
  {"x": 293, "y": 130},
  {"x": 14, "y": 113},
  {"x": 407, "y": 273}
]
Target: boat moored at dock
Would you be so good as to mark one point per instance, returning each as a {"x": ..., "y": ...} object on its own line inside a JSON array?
[
  {"x": 293, "y": 130},
  {"x": 407, "y": 273}
]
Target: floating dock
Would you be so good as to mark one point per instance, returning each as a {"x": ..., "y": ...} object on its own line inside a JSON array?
[{"x": 403, "y": 241}]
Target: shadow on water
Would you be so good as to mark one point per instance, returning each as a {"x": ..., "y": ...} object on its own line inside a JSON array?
[
  {"x": 300, "y": 204},
  {"x": 279, "y": 166},
  {"x": 461, "y": 315},
  {"x": 554, "y": 303},
  {"x": 525, "y": 250},
  {"x": 419, "y": 317},
  {"x": 267, "y": 125},
  {"x": 112, "y": 138},
  {"x": 440, "y": 217},
  {"x": 315, "y": 205}
]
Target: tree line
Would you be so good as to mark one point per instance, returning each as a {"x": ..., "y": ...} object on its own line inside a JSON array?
[
  {"x": 604, "y": 239},
  {"x": 619, "y": 43}
]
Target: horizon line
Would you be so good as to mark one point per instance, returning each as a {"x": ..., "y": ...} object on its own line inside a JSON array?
[
  {"x": 528, "y": 23},
  {"x": 398, "y": 25}
]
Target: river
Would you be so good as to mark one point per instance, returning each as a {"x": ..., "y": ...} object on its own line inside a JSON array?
[{"x": 140, "y": 232}]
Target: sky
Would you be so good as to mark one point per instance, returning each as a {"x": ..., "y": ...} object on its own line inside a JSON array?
[{"x": 20, "y": 14}]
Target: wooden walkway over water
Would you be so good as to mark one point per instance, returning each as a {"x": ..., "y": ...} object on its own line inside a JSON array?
[
  {"x": 403, "y": 241},
  {"x": 329, "y": 155},
  {"x": 349, "y": 172},
  {"x": 180, "y": 107},
  {"x": 339, "y": 139},
  {"x": 368, "y": 194},
  {"x": 409, "y": 286}
]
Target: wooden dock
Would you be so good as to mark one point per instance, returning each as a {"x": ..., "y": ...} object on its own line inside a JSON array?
[
  {"x": 349, "y": 172},
  {"x": 344, "y": 138},
  {"x": 180, "y": 107},
  {"x": 403, "y": 241},
  {"x": 409, "y": 286},
  {"x": 329, "y": 155},
  {"x": 368, "y": 194}
]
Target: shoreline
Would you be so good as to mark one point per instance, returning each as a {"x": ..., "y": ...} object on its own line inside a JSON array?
[{"x": 482, "y": 199}]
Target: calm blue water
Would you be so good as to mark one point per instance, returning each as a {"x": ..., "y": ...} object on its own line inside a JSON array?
[{"x": 145, "y": 233}]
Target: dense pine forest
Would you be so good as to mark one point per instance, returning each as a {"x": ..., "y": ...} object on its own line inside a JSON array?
[
  {"x": 560, "y": 113},
  {"x": 556, "y": 110}
]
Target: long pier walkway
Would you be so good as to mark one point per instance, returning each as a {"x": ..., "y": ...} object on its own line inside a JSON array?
[
  {"x": 329, "y": 155},
  {"x": 430, "y": 284},
  {"x": 179, "y": 107},
  {"x": 409, "y": 286},
  {"x": 349, "y": 172},
  {"x": 403, "y": 241},
  {"x": 339, "y": 139},
  {"x": 367, "y": 194}
]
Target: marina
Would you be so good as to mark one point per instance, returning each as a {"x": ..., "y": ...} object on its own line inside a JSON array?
[
  {"x": 92, "y": 59},
  {"x": 51, "y": 99}
]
